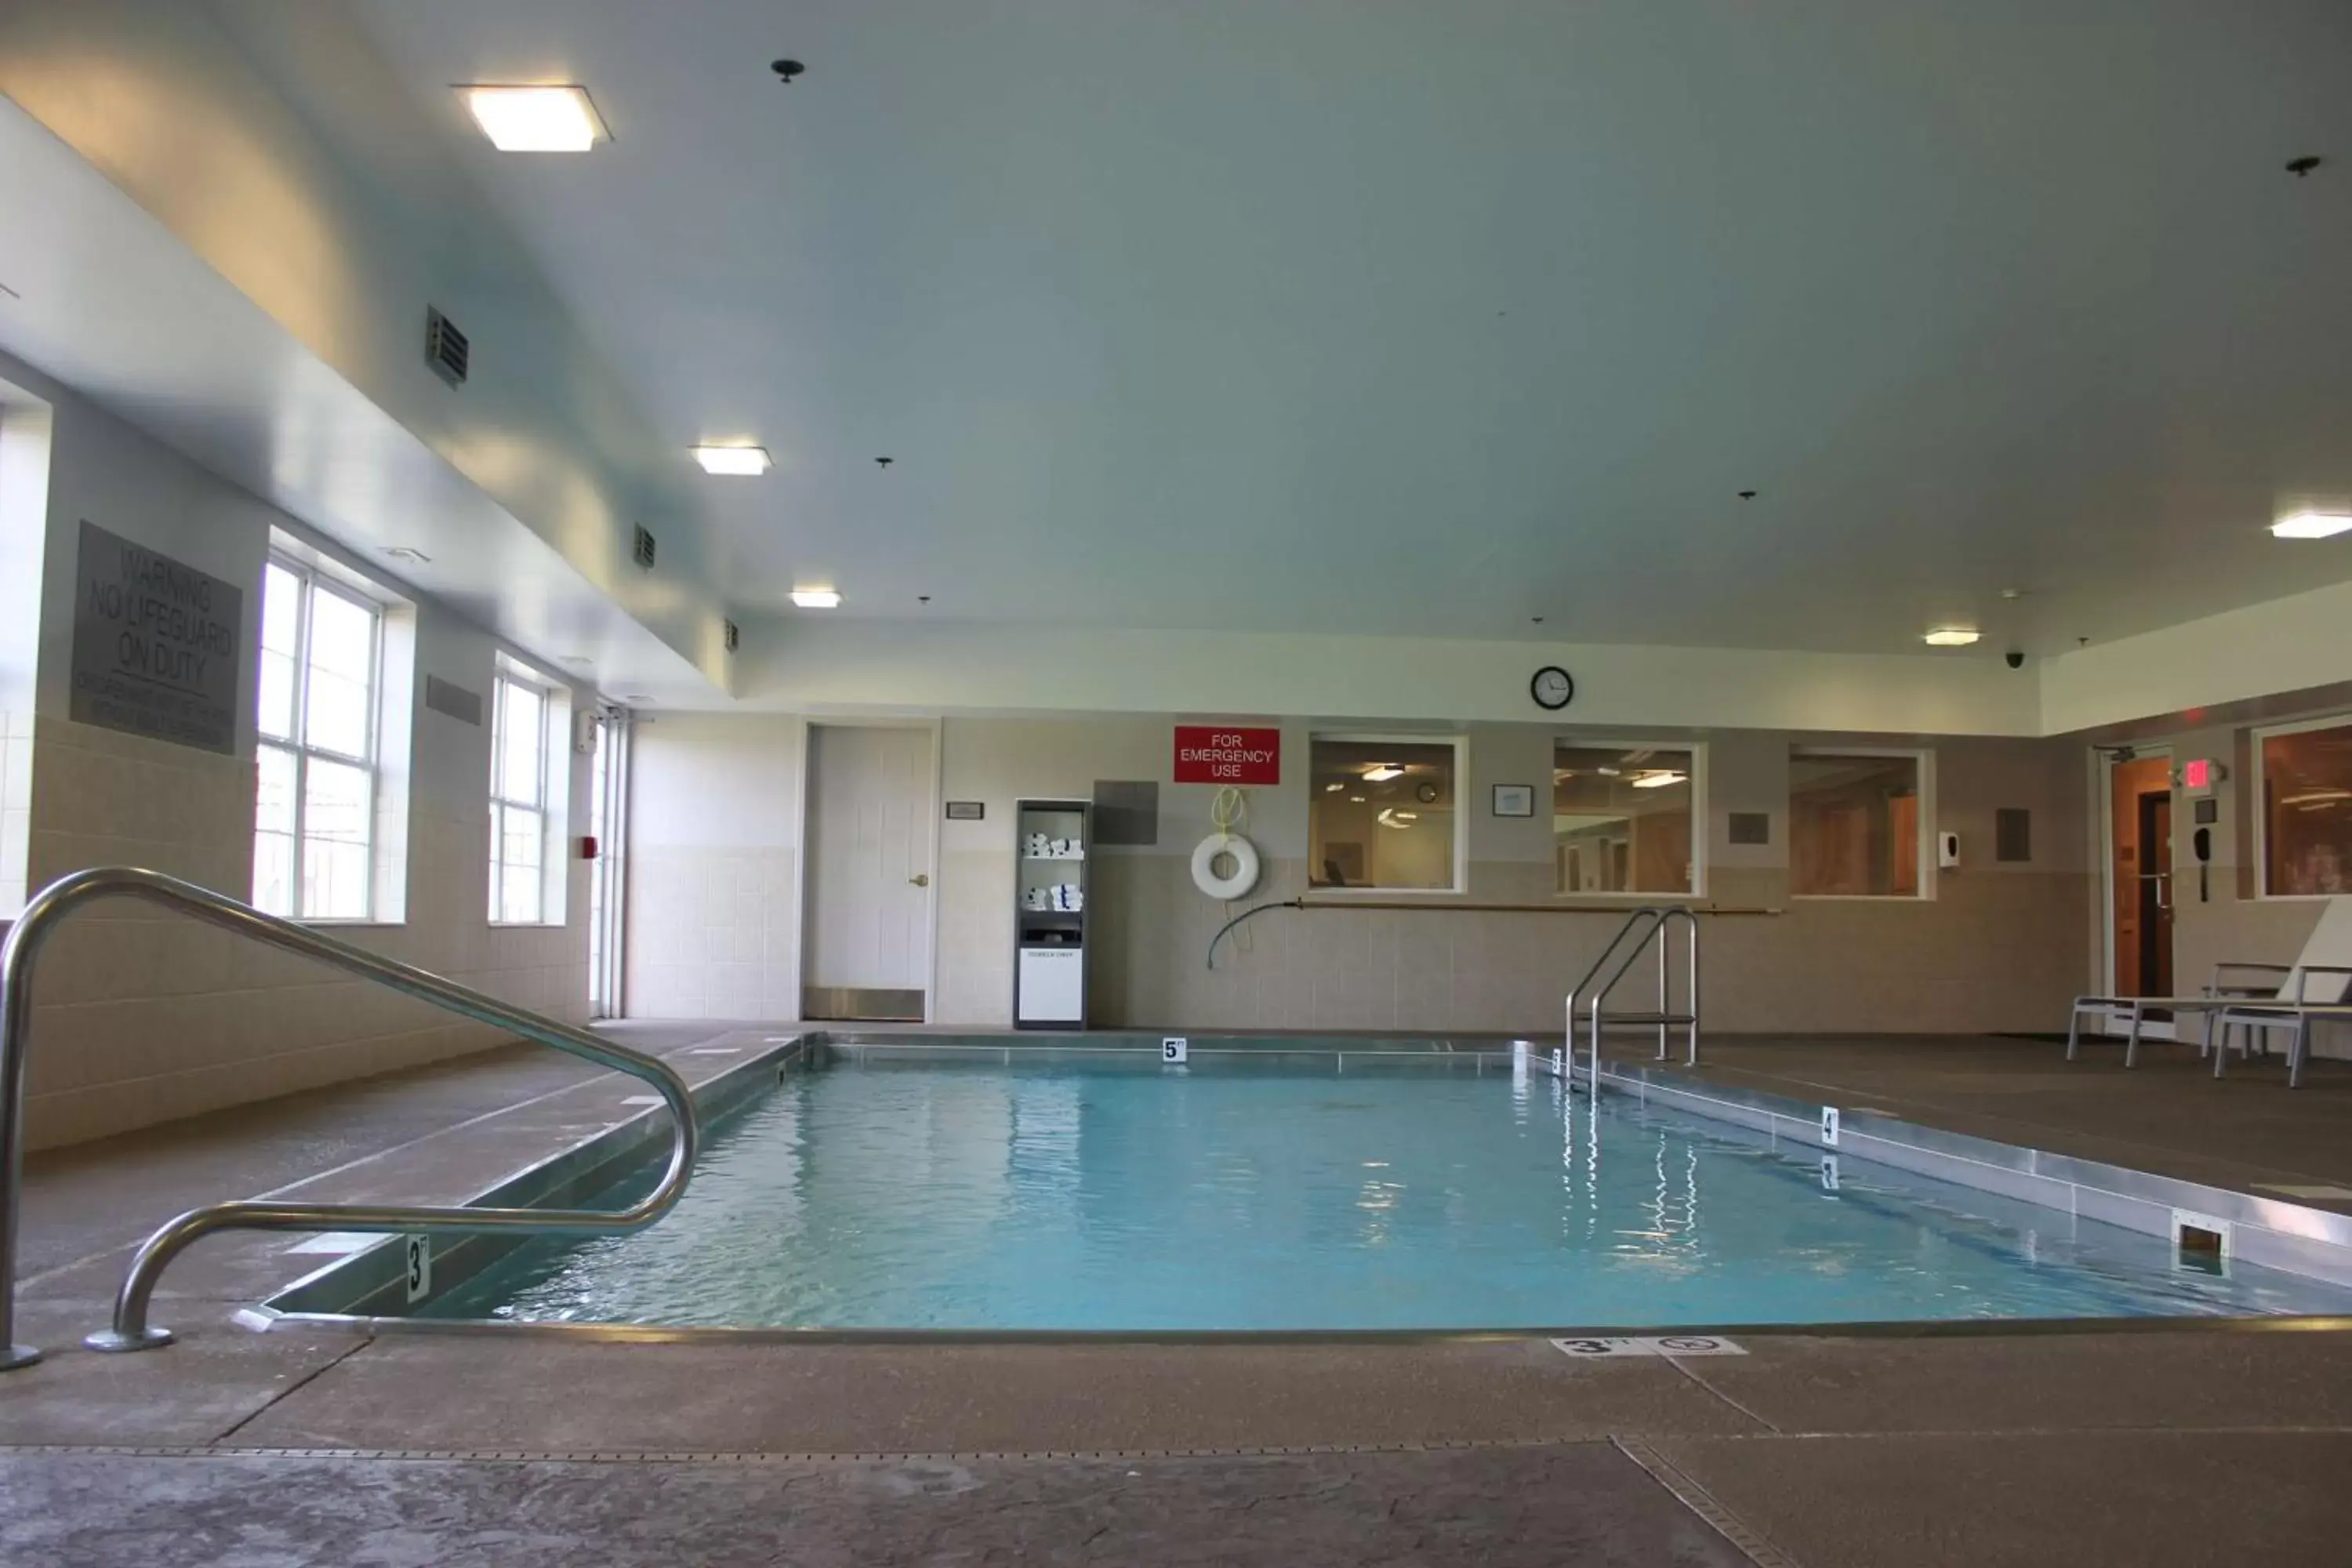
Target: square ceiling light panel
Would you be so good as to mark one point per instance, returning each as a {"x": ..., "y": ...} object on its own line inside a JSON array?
[{"x": 535, "y": 118}]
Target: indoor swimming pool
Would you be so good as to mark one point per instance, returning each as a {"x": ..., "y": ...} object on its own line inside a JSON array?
[{"x": 1092, "y": 1194}]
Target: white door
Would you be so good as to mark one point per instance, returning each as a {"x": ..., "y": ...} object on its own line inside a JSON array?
[{"x": 869, "y": 872}]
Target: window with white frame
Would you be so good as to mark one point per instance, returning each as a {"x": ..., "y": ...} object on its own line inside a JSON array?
[
  {"x": 1627, "y": 817},
  {"x": 315, "y": 799},
  {"x": 1382, "y": 813},
  {"x": 2304, "y": 773},
  {"x": 524, "y": 764},
  {"x": 1856, "y": 825}
]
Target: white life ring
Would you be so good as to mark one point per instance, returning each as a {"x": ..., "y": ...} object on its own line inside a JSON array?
[{"x": 1204, "y": 866}]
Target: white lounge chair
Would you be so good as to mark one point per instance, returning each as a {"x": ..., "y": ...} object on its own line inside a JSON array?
[{"x": 2318, "y": 986}]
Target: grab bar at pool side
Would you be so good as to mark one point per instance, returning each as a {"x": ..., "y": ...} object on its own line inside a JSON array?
[{"x": 131, "y": 1331}]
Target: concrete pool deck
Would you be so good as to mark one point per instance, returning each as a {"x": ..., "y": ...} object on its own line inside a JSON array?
[{"x": 2175, "y": 1444}]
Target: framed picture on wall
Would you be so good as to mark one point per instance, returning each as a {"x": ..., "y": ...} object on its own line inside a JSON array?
[{"x": 1515, "y": 800}]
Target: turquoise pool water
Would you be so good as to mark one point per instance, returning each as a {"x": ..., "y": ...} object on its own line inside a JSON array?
[{"x": 1117, "y": 1198}]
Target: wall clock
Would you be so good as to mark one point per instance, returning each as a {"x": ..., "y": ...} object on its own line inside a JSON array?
[{"x": 1552, "y": 688}]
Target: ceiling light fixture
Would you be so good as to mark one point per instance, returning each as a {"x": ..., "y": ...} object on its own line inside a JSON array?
[
  {"x": 1952, "y": 636},
  {"x": 536, "y": 119},
  {"x": 1658, "y": 780},
  {"x": 2312, "y": 525},
  {"x": 1355, "y": 800},
  {"x": 1333, "y": 788},
  {"x": 1380, "y": 772},
  {"x": 743, "y": 462},
  {"x": 816, "y": 598}
]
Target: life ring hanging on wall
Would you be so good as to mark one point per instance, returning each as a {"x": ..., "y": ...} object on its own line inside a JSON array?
[
  {"x": 1204, "y": 866},
  {"x": 1228, "y": 811}
]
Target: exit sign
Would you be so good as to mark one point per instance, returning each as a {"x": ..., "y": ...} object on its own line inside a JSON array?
[
  {"x": 1227, "y": 755},
  {"x": 2199, "y": 774}
]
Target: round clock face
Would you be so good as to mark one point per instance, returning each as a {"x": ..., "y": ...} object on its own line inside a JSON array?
[
  {"x": 1426, "y": 792},
  {"x": 1552, "y": 687}
]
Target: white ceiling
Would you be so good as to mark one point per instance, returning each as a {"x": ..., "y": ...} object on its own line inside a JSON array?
[{"x": 1378, "y": 315}]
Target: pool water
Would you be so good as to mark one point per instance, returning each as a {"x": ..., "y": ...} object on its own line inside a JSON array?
[{"x": 1063, "y": 1196}]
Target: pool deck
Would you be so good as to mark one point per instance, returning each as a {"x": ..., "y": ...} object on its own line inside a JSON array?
[{"x": 2174, "y": 1446}]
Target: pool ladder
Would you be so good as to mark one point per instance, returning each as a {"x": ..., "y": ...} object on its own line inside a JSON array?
[
  {"x": 131, "y": 1331},
  {"x": 1651, "y": 925}
]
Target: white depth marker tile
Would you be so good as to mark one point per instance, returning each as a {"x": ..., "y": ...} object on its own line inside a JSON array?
[{"x": 1673, "y": 1346}]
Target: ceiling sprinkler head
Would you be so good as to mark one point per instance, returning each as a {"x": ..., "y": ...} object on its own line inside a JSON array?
[
  {"x": 2301, "y": 166},
  {"x": 786, "y": 70}
]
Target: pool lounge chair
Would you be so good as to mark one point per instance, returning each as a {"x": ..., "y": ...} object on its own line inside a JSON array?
[{"x": 2316, "y": 986}]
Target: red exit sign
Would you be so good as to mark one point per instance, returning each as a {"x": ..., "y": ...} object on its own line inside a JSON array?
[{"x": 1221, "y": 754}]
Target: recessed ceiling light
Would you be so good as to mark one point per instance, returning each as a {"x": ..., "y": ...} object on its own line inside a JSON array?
[
  {"x": 1382, "y": 773},
  {"x": 743, "y": 462},
  {"x": 1333, "y": 788},
  {"x": 1952, "y": 636},
  {"x": 815, "y": 598},
  {"x": 535, "y": 118},
  {"x": 2312, "y": 525},
  {"x": 1658, "y": 780},
  {"x": 1355, "y": 800}
]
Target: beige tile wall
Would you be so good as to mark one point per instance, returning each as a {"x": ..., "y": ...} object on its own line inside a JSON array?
[
  {"x": 15, "y": 808},
  {"x": 141, "y": 1016},
  {"x": 1990, "y": 953}
]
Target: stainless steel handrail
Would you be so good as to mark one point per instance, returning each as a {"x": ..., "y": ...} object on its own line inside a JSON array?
[
  {"x": 1652, "y": 920},
  {"x": 130, "y": 1329}
]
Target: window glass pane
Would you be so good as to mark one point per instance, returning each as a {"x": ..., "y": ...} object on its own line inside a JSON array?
[
  {"x": 273, "y": 834},
  {"x": 336, "y": 805},
  {"x": 521, "y": 839},
  {"x": 337, "y": 714},
  {"x": 1621, "y": 820},
  {"x": 281, "y": 609},
  {"x": 1853, "y": 826},
  {"x": 2307, "y": 812},
  {"x": 1381, "y": 814},
  {"x": 519, "y": 742}
]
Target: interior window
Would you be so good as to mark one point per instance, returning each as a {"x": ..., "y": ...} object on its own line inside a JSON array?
[
  {"x": 1381, "y": 813},
  {"x": 1853, "y": 826},
  {"x": 2308, "y": 811},
  {"x": 519, "y": 803},
  {"x": 1621, "y": 820}
]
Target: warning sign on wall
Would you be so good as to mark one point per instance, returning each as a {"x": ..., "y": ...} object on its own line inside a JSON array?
[
  {"x": 155, "y": 644},
  {"x": 1215, "y": 754}
]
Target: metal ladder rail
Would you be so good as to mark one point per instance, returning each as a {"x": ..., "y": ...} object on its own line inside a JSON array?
[
  {"x": 1659, "y": 929},
  {"x": 130, "y": 1329},
  {"x": 1651, "y": 913}
]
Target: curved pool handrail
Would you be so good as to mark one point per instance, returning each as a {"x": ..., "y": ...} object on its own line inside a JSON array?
[{"x": 130, "y": 1329}]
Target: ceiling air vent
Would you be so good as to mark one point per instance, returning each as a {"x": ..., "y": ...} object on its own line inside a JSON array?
[
  {"x": 734, "y": 638},
  {"x": 446, "y": 349},
  {"x": 641, "y": 551}
]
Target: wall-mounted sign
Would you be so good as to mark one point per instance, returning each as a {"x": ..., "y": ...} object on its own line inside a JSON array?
[
  {"x": 967, "y": 810},
  {"x": 2199, "y": 774},
  {"x": 154, "y": 645},
  {"x": 1220, "y": 755}
]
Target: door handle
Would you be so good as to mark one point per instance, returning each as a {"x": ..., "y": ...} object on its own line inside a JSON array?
[{"x": 920, "y": 880}]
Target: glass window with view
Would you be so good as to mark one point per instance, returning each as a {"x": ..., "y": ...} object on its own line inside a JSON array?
[
  {"x": 2308, "y": 811},
  {"x": 1620, "y": 819},
  {"x": 518, "y": 802},
  {"x": 1381, "y": 814},
  {"x": 1853, "y": 826},
  {"x": 314, "y": 806}
]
